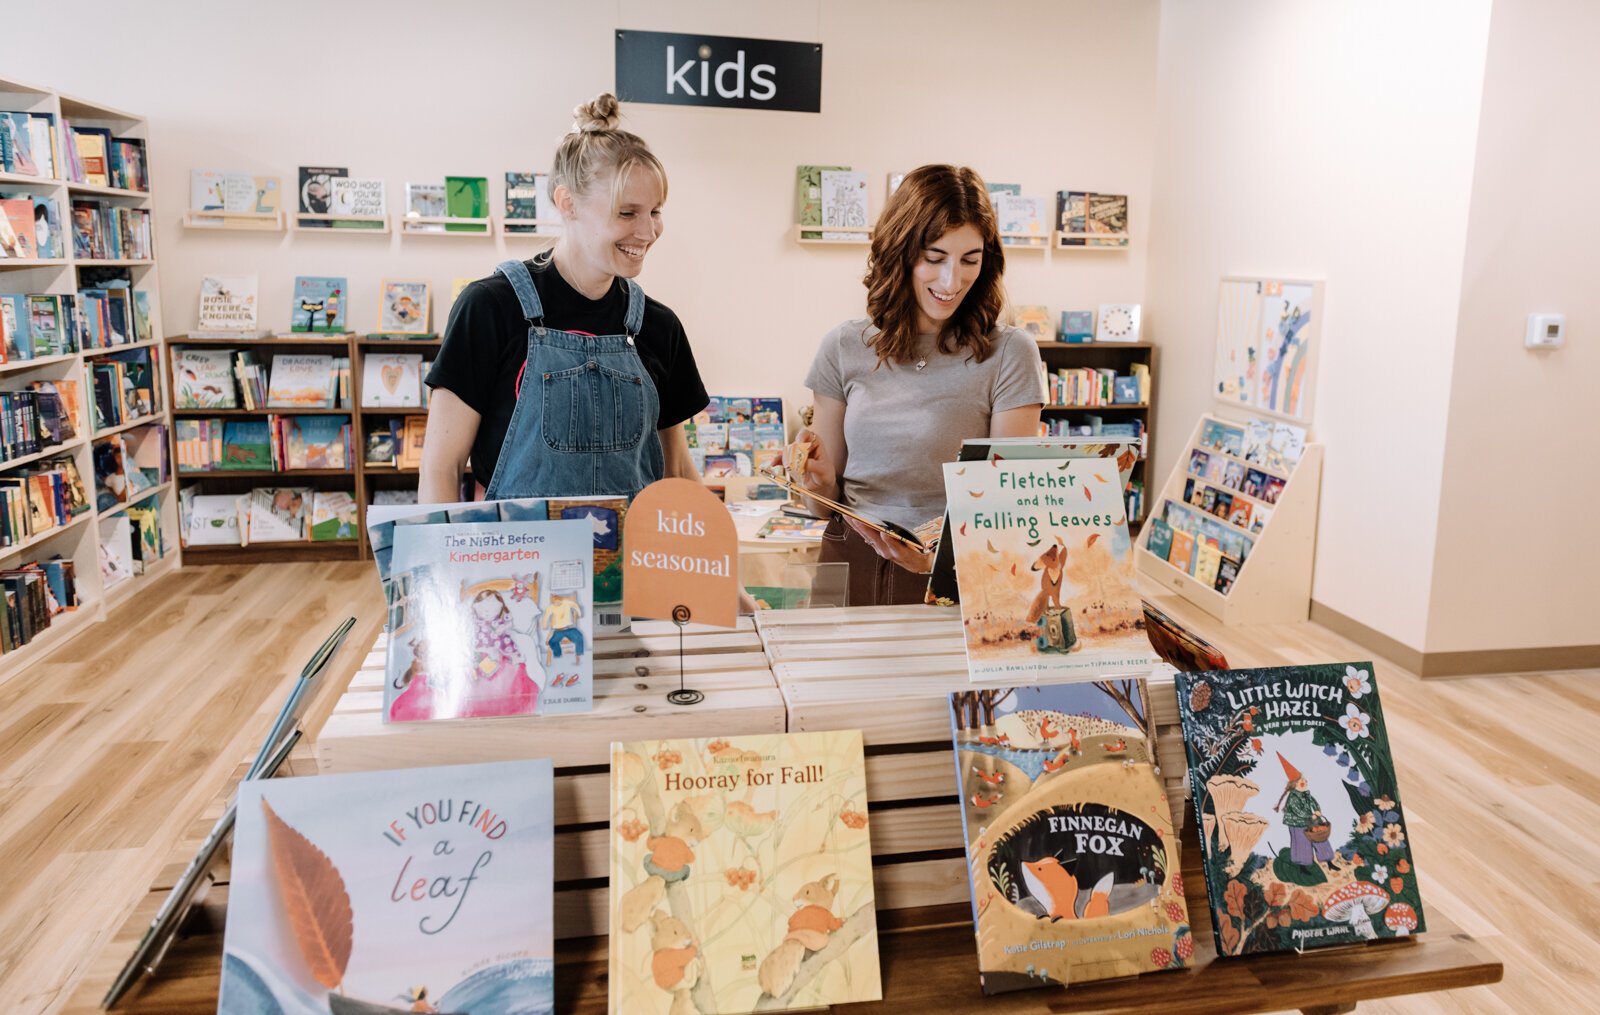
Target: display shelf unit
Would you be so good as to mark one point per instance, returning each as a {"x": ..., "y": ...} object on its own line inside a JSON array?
[
  {"x": 1060, "y": 242},
  {"x": 235, "y": 221},
  {"x": 379, "y": 224},
  {"x": 79, "y": 539},
  {"x": 420, "y": 225},
  {"x": 503, "y": 226},
  {"x": 1274, "y": 583},
  {"x": 1119, "y": 356}
]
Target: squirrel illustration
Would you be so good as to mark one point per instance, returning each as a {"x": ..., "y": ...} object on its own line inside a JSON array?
[
  {"x": 809, "y": 927},
  {"x": 1052, "y": 562},
  {"x": 1057, "y": 890},
  {"x": 671, "y": 854},
  {"x": 672, "y": 959}
]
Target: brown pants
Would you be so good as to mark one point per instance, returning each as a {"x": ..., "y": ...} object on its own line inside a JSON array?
[{"x": 873, "y": 580}]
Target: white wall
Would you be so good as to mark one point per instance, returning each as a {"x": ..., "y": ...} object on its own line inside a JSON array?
[
  {"x": 1047, "y": 94},
  {"x": 1302, "y": 138}
]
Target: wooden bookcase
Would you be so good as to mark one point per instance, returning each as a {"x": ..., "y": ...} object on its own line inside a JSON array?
[
  {"x": 360, "y": 480},
  {"x": 1119, "y": 356},
  {"x": 1274, "y": 583},
  {"x": 80, "y": 539}
]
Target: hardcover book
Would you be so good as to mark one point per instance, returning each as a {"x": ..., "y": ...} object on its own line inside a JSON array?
[
  {"x": 1077, "y": 325},
  {"x": 1021, "y": 220},
  {"x": 390, "y": 379},
  {"x": 319, "y": 304},
  {"x": 425, "y": 889},
  {"x": 359, "y": 197},
  {"x": 844, "y": 203},
  {"x": 1257, "y": 438},
  {"x": 316, "y": 192},
  {"x": 228, "y": 303},
  {"x": 278, "y": 514},
  {"x": 204, "y": 379},
  {"x": 426, "y": 201},
  {"x": 808, "y": 197},
  {"x": 1107, "y": 220},
  {"x": 404, "y": 308},
  {"x": 1220, "y": 436},
  {"x": 315, "y": 442},
  {"x": 246, "y": 445},
  {"x": 333, "y": 516},
  {"x": 522, "y": 202},
  {"x": 741, "y": 875},
  {"x": 1303, "y": 840},
  {"x": 489, "y": 619},
  {"x": 300, "y": 382},
  {"x": 605, "y": 517},
  {"x": 1067, "y": 831},
  {"x": 1035, "y": 320},
  {"x": 1072, "y": 217},
  {"x": 1046, "y": 569},
  {"x": 466, "y": 197}
]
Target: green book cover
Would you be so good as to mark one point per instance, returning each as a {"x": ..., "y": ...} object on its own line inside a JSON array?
[
  {"x": 246, "y": 445},
  {"x": 1303, "y": 841},
  {"x": 466, "y": 197},
  {"x": 808, "y": 197},
  {"x": 1160, "y": 539}
]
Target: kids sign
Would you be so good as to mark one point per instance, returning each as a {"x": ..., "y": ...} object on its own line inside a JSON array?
[
  {"x": 682, "y": 550},
  {"x": 715, "y": 70}
]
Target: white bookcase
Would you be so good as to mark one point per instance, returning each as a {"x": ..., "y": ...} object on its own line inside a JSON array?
[
  {"x": 79, "y": 539},
  {"x": 1274, "y": 582}
]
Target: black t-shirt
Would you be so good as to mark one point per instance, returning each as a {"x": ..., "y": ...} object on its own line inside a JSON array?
[{"x": 486, "y": 344}]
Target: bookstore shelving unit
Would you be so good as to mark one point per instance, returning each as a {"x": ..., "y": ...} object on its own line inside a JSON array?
[
  {"x": 1119, "y": 356},
  {"x": 80, "y": 539}
]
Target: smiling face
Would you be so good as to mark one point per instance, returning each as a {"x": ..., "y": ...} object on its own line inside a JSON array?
[
  {"x": 943, "y": 275},
  {"x": 607, "y": 242}
]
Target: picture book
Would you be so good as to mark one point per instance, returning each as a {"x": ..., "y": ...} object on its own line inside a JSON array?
[
  {"x": 300, "y": 381},
  {"x": 1022, "y": 220},
  {"x": 1233, "y": 475},
  {"x": 426, "y": 889},
  {"x": 213, "y": 520},
  {"x": 220, "y": 190},
  {"x": 315, "y": 442},
  {"x": 1160, "y": 541},
  {"x": 143, "y": 331},
  {"x": 1035, "y": 320},
  {"x": 1227, "y": 573},
  {"x": 741, "y": 875},
  {"x": 1303, "y": 842},
  {"x": 808, "y": 197},
  {"x": 488, "y": 619},
  {"x": 606, "y": 517},
  {"x": 404, "y": 308},
  {"x": 522, "y": 202},
  {"x": 1069, "y": 835},
  {"x": 278, "y": 514},
  {"x": 1203, "y": 526},
  {"x": 1283, "y": 454},
  {"x": 425, "y": 201},
  {"x": 1207, "y": 559},
  {"x": 1072, "y": 217},
  {"x": 228, "y": 303},
  {"x": 316, "y": 193},
  {"x": 246, "y": 445},
  {"x": 1255, "y": 482},
  {"x": 412, "y": 435},
  {"x": 1198, "y": 460},
  {"x": 391, "y": 379},
  {"x": 1257, "y": 438},
  {"x": 333, "y": 515},
  {"x": 47, "y": 235},
  {"x": 1046, "y": 567},
  {"x": 18, "y": 212},
  {"x": 1107, "y": 219},
  {"x": 1077, "y": 325},
  {"x": 1239, "y": 513},
  {"x": 203, "y": 379},
  {"x": 844, "y": 203},
  {"x": 1272, "y": 489},
  {"x": 1181, "y": 555},
  {"x": 266, "y": 194},
  {"x": 466, "y": 197},
  {"x": 319, "y": 304},
  {"x": 382, "y": 518},
  {"x": 1220, "y": 436},
  {"x": 366, "y": 198}
]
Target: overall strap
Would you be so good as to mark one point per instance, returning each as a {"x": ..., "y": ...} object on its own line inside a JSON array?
[
  {"x": 522, "y": 281},
  {"x": 635, "y": 316}
]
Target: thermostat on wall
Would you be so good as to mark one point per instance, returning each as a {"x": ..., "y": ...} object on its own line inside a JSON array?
[{"x": 1545, "y": 331}]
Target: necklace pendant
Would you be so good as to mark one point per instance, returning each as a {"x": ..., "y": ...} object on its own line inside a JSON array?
[{"x": 922, "y": 362}]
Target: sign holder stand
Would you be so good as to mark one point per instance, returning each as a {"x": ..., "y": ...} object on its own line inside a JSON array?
[{"x": 683, "y": 695}]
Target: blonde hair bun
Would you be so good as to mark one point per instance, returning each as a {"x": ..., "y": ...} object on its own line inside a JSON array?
[{"x": 600, "y": 114}]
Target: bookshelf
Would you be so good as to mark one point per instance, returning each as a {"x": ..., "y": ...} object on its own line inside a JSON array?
[
  {"x": 1273, "y": 584},
  {"x": 1118, "y": 356},
  {"x": 80, "y": 539}
]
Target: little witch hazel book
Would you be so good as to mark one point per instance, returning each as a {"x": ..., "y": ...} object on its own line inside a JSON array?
[
  {"x": 490, "y": 619},
  {"x": 419, "y": 890}
]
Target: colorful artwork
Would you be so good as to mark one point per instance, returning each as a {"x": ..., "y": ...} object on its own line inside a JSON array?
[
  {"x": 1266, "y": 345},
  {"x": 404, "y": 308},
  {"x": 420, "y": 890},
  {"x": 1067, "y": 826},
  {"x": 1304, "y": 841},
  {"x": 741, "y": 875}
]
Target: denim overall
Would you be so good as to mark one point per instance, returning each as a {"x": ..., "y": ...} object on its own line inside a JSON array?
[{"x": 584, "y": 423}]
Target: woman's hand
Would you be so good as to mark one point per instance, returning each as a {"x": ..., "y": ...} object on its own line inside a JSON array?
[
  {"x": 807, "y": 463},
  {"x": 893, "y": 550}
]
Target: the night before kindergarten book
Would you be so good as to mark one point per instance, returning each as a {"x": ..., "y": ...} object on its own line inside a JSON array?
[
  {"x": 490, "y": 619},
  {"x": 1303, "y": 839},
  {"x": 1068, "y": 831},
  {"x": 1046, "y": 570},
  {"x": 420, "y": 890}
]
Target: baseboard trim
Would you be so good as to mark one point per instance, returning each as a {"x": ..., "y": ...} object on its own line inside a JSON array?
[{"x": 1457, "y": 664}]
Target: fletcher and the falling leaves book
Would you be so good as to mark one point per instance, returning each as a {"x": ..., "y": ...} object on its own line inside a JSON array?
[
  {"x": 425, "y": 889},
  {"x": 1303, "y": 839},
  {"x": 1070, "y": 846},
  {"x": 741, "y": 875},
  {"x": 1046, "y": 568}
]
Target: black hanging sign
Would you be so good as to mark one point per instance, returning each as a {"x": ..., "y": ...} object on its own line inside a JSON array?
[{"x": 716, "y": 70}]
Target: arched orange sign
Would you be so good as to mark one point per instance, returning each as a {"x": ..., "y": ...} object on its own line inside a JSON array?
[{"x": 681, "y": 550}]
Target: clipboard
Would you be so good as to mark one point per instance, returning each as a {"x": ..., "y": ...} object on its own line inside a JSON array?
[{"x": 899, "y": 533}]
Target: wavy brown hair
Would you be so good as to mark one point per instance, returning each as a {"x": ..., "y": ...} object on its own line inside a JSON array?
[{"x": 931, "y": 201}]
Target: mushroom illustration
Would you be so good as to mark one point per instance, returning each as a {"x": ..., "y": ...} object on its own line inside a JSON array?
[
  {"x": 1354, "y": 904},
  {"x": 1401, "y": 919},
  {"x": 1229, "y": 793},
  {"x": 1242, "y": 831}
]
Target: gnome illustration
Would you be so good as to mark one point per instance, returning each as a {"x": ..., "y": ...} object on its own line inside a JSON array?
[{"x": 1302, "y": 816}]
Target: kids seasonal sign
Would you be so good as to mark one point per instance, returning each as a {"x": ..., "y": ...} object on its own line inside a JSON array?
[
  {"x": 1046, "y": 570},
  {"x": 682, "y": 552}
]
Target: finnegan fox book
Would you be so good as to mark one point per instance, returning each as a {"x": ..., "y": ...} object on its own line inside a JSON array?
[
  {"x": 1303, "y": 840},
  {"x": 741, "y": 875},
  {"x": 489, "y": 619},
  {"x": 425, "y": 889},
  {"x": 1046, "y": 569},
  {"x": 1067, "y": 834}
]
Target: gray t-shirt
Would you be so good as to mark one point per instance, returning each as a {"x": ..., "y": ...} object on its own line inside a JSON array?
[{"x": 902, "y": 424}]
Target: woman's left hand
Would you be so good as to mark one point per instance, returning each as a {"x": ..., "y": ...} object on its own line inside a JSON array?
[{"x": 893, "y": 549}]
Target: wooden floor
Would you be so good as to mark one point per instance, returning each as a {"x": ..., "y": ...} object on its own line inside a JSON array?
[{"x": 114, "y": 744}]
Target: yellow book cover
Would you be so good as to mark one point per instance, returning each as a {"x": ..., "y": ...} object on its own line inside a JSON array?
[
  {"x": 741, "y": 875},
  {"x": 1207, "y": 558}
]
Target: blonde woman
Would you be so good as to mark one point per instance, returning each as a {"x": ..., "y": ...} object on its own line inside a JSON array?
[{"x": 557, "y": 375}]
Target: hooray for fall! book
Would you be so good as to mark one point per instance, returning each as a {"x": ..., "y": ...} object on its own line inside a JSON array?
[
  {"x": 741, "y": 875},
  {"x": 1302, "y": 837},
  {"x": 1068, "y": 831},
  {"x": 1046, "y": 569},
  {"x": 425, "y": 889}
]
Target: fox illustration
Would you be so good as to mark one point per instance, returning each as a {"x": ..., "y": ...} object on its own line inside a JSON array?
[
  {"x": 1053, "y": 562},
  {"x": 1057, "y": 890}
]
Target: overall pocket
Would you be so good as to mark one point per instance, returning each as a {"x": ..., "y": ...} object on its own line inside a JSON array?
[{"x": 591, "y": 407}]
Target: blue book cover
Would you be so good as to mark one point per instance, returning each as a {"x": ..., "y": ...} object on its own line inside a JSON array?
[
  {"x": 246, "y": 445},
  {"x": 1077, "y": 325},
  {"x": 316, "y": 442},
  {"x": 490, "y": 619},
  {"x": 1160, "y": 538},
  {"x": 319, "y": 304},
  {"x": 1067, "y": 832},
  {"x": 1125, "y": 391},
  {"x": 426, "y": 889},
  {"x": 1220, "y": 436}
]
